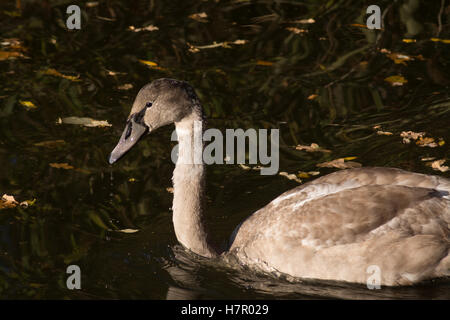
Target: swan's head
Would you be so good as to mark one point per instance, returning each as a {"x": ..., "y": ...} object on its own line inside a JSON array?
[{"x": 159, "y": 103}]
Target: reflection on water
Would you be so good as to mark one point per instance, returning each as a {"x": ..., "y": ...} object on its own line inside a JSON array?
[{"x": 322, "y": 82}]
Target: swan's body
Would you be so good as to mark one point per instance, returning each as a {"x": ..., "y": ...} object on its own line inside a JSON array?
[{"x": 332, "y": 228}]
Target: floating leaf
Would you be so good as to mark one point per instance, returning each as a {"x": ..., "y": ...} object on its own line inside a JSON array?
[
  {"x": 87, "y": 122},
  {"x": 438, "y": 165},
  {"x": 400, "y": 58},
  {"x": 53, "y": 72},
  {"x": 126, "y": 86},
  {"x": 446, "y": 41},
  {"x": 7, "y": 202},
  {"x": 147, "y": 28},
  {"x": 200, "y": 17},
  {"x": 409, "y": 40},
  {"x": 169, "y": 190},
  {"x": 151, "y": 64},
  {"x": 92, "y": 4},
  {"x": 296, "y": 30},
  {"x": 396, "y": 80},
  {"x": 314, "y": 147},
  {"x": 426, "y": 142},
  {"x": 27, "y": 203},
  {"x": 427, "y": 158},
  {"x": 225, "y": 44},
  {"x": 243, "y": 166},
  {"x": 114, "y": 73},
  {"x": 410, "y": 135},
  {"x": 65, "y": 166},
  {"x": 304, "y": 21},
  {"x": 340, "y": 163},
  {"x": 307, "y": 175},
  {"x": 128, "y": 230},
  {"x": 290, "y": 176},
  {"x": 13, "y": 43},
  {"x": 10, "y": 54},
  {"x": 384, "y": 133},
  {"x": 148, "y": 63},
  {"x": 312, "y": 96},
  {"x": 28, "y": 104}
]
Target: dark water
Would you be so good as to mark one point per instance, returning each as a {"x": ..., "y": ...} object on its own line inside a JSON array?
[{"x": 263, "y": 83}]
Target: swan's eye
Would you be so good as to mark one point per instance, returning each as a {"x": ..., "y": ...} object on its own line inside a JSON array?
[{"x": 148, "y": 104}]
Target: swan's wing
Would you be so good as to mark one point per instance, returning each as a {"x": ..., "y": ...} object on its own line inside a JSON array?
[
  {"x": 353, "y": 178},
  {"x": 346, "y": 216}
]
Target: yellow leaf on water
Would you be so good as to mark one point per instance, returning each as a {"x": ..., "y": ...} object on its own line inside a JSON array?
[
  {"x": 200, "y": 17},
  {"x": 384, "y": 133},
  {"x": 148, "y": 63},
  {"x": 92, "y": 4},
  {"x": 65, "y": 166},
  {"x": 427, "y": 158},
  {"x": 303, "y": 175},
  {"x": 396, "y": 80},
  {"x": 147, "y": 28},
  {"x": 296, "y": 30},
  {"x": 240, "y": 41},
  {"x": 410, "y": 135},
  {"x": 290, "y": 176},
  {"x": 399, "y": 58},
  {"x": 128, "y": 230},
  {"x": 8, "y": 198},
  {"x": 10, "y": 54},
  {"x": 314, "y": 147},
  {"x": 28, "y": 104},
  {"x": 126, "y": 86},
  {"x": 169, "y": 190},
  {"x": 438, "y": 165},
  {"x": 426, "y": 142},
  {"x": 27, "y": 203},
  {"x": 312, "y": 96},
  {"x": 151, "y": 64},
  {"x": 305, "y": 21},
  {"x": 243, "y": 166},
  {"x": 7, "y": 202},
  {"x": 409, "y": 40},
  {"x": 53, "y": 72},
  {"x": 446, "y": 41},
  {"x": 307, "y": 175}
]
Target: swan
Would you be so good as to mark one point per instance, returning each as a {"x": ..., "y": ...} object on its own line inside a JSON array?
[{"x": 335, "y": 227}]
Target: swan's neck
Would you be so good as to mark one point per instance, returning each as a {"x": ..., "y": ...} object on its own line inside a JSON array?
[{"x": 188, "y": 188}]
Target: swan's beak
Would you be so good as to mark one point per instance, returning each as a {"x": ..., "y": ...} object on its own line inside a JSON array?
[{"x": 130, "y": 136}]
